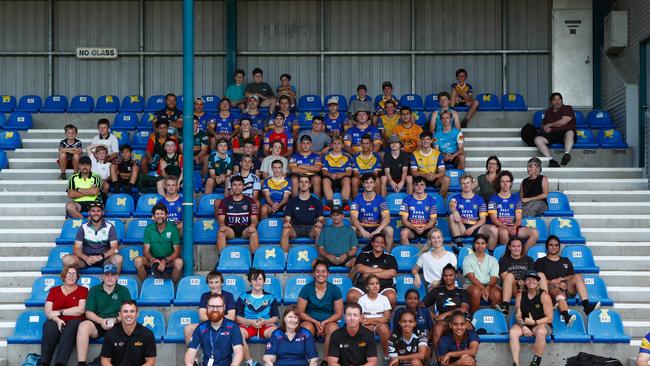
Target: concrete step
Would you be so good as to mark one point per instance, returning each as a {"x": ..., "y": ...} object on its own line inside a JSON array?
[
  {"x": 636, "y": 328},
  {"x": 598, "y": 184},
  {"x": 58, "y": 120},
  {"x": 14, "y": 294},
  {"x": 22, "y": 263},
  {"x": 625, "y": 277},
  {"x": 30, "y": 235},
  {"x": 613, "y": 207},
  {"x": 28, "y": 222},
  {"x": 49, "y": 142},
  {"x": 32, "y": 209},
  {"x": 610, "y": 220},
  {"x": 58, "y": 133},
  {"x": 618, "y": 262},
  {"x": 518, "y": 169},
  {"x": 38, "y": 184},
  {"x": 485, "y": 132},
  {"x": 616, "y": 234},
  {"x": 10, "y": 312},
  {"x": 32, "y": 249},
  {"x": 6, "y": 329},
  {"x": 32, "y": 163},
  {"x": 619, "y": 248},
  {"x": 35, "y": 197},
  {"x": 18, "y": 279},
  {"x": 619, "y": 196},
  {"x": 504, "y": 151},
  {"x": 493, "y": 142},
  {"x": 639, "y": 294},
  {"x": 45, "y": 153}
]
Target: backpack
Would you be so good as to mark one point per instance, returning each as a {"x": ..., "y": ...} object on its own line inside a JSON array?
[
  {"x": 587, "y": 359},
  {"x": 32, "y": 359}
]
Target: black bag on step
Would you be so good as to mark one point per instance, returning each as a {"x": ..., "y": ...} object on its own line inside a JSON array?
[
  {"x": 528, "y": 134},
  {"x": 587, "y": 359}
]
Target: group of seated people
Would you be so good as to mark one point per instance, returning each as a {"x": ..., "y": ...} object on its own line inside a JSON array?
[{"x": 437, "y": 327}]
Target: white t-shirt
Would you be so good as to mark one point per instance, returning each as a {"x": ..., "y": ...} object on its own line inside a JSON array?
[
  {"x": 432, "y": 267},
  {"x": 101, "y": 169},
  {"x": 111, "y": 143},
  {"x": 267, "y": 161},
  {"x": 374, "y": 308}
]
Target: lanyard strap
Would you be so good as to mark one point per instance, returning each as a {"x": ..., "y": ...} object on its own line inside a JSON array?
[{"x": 212, "y": 343}]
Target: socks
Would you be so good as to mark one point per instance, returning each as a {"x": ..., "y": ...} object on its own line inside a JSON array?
[
  {"x": 249, "y": 362},
  {"x": 537, "y": 360},
  {"x": 566, "y": 316}
]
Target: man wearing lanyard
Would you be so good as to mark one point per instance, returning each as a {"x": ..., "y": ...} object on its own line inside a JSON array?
[{"x": 219, "y": 338}]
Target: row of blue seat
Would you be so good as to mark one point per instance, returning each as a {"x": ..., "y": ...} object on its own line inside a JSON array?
[
  {"x": 596, "y": 119},
  {"x": 307, "y": 103},
  {"x": 603, "y": 326},
  {"x": 604, "y": 139}
]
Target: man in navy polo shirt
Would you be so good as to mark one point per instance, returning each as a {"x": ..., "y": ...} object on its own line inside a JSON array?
[
  {"x": 219, "y": 338},
  {"x": 303, "y": 215}
]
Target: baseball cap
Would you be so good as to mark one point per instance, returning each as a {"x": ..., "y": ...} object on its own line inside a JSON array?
[
  {"x": 254, "y": 96},
  {"x": 394, "y": 138},
  {"x": 333, "y": 100},
  {"x": 533, "y": 274},
  {"x": 96, "y": 204},
  {"x": 85, "y": 160},
  {"x": 336, "y": 209},
  {"x": 386, "y": 83},
  {"x": 110, "y": 268}
]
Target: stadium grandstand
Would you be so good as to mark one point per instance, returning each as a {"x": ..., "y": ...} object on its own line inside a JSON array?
[{"x": 100, "y": 99}]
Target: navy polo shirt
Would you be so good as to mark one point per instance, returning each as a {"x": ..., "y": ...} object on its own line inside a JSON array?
[
  {"x": 217, "y": 344},
  {"x": 296, "y": 352},
  {"x": 448, "y": 344}
]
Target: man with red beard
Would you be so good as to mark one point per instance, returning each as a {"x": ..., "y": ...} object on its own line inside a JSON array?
[{"x": 219, "y": 338}]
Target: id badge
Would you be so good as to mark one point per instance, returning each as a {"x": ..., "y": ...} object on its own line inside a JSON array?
[{"x": 210, "y": 361}]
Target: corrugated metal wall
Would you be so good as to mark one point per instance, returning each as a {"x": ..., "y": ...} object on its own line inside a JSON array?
[
  {"x": 614, "y": 100},
  {"x": 284, "y": 26}
]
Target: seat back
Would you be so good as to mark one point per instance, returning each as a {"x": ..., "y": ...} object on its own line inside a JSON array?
[
  {"x": 413, "y": 101},
  {"x": 55, "y": 104},
  {"x": 310, "y": 103},
  {"x": 567, "y": 229},
  {"x": 273, "y": 285},
  {"x": 586, "y": 138},
  {"x": 300, "y": 258},
  {"x": 513, "y": 102},
  {"x": 605, "y": 323},
  {"x": 537, "y": 251},
  {"x": 536, "y": 223},
  {"x": 581, "y": 258},
  {"x": 293, "y": 285},
  {"x": 81, "y": 104},
  {"x": 205, "y": 231},
  {"x": 560, "y": 327},
  {"x": 119, "y": 205},
  {"x": 129, "y": 253},
  {"x": 558, "y": 205},
  {"x": 178, "y": 320},
  {"x": 235, "y": 285},
  {"x": 270, "y": 230},
  {"x": 107, "y": 104},
  {"x": 156, "y": 292},
  {"x": 132, "y": 103},
  {"x": 10, "y": 140},
  {"x": 597, "y": 290},
  {"x": 406, "y": 256},
  {"x": 343, "y": 102},
  {"x": 41, "y": 288},
  {"x": 580, "y": 119},
  {"x": 29, "y": 328},
  {"x": 131, "y": 284},
  {"x": 431, "y": 102},
  {"x": 538, "y": 117},
  {"x": 120, "y": 230},
  {"x": 19, "y": 121},
  {"x": 599, "y": 119},
  {"x": 4, "y": 162},
  {"x": 491, "y": 320},
  {"x": 499, "y": 251},
  {"x": 54, "y": 264},
  {"x": 403, "y": 283},
  {"x": 443, "y": 225},
  {"x": 343, "y": 282},
  {"x": 7, "y": 103},
  {"x": 235, "y": 259},
  {"x": 145, "y": 204},
  {"x": 135, "y": 231},
  {"x": 454, "y": 177},
  {"x": 125, "y": 121},
  {"x": 30, "y": 103},
  {"x": 206, "y": 204},
  {"x": 88, "y": 281},
  {"x": 270, "y": 258},
  {"x": 394, "y": 201},
  {"x": 305, "y": 119},
  {"x": 157, "y": 102},
  {"x": 146, "y": 122},
  {"x": 611, "y": 139},
  {"x": 140, "y": 139},
  {"x": 211, "y": 103},
  {"x": 189, "y": 291},
  {"x": 153, "y": 320},
  {"x": 69, "y": 231},
  {"x": 488, "y": 102}
]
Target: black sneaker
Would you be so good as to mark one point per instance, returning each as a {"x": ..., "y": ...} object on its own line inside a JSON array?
[
  {"x": 566, "y": 158},
  {"x": 553, "y": 164},
  {"x": 464, "y": 122},
  {"x": 504, "y": 308},
  {"x": 63, "y": 176},
  {"x": 589, "y": 308}
]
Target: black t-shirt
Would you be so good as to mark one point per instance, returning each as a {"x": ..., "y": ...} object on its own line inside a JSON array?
[
  {"x": 125, "y": 350},
  {"x": 384, "y": 261},
  {"x": 396, "y": 165},
  {"x": 398, "y": 346},
  {"x": 445, "y": 299},
  {"x": 518, "y": 267},
  {"x": 352, "y": 350},
  {"x": 162, "y": 115},
  {"x": 125, "y": 166},
  {"x": 304, "y": 212},
  {"x": 262, "y": 89},
  {"x": 554, "y": 269}
]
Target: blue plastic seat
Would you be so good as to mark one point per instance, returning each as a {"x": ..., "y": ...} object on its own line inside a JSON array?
[
  {"x": 494, "y": 324},
  {"x": 137, "y": 155},
  {"x": 310, "y": 103},
  {"x": 499, "y": 251},
  {"x": 146, "y": 122},
  {"x": 206, "y": 204},
  {"x": 135, "y": 231},
  {"x": 441, "y": 206},
  {"x": 176, "y": 325},
  {"x": 132, "y": 103},
  {"x": 420, "y": 119},
  {"x": 599, "y": 119},
  {"x": 270, "y": 258},
  {"x": 270, "y": 230},
  {"x": 558, "y": 205},
  {"x": 235, "y": 259},
  {"x": 605, "y": 326},
  {"x": 89, "y": 281},
  {"x": 119, "y": 205},
  {"x": 293, "y": 285},
  {"x": 153, "y": 320},
  {"x": 413, "y": 101},
  {"x": 54, "y": 264},
  {"x": 81, "y": 104},
  {"x": 7, "y": 104},
  {"x": 120, "y": 229},
  {"x": 538, "y": 117},
  {"x": 488, "y": 102},
  {"x": 611, "y": 139},
  {"x": 581, "y": 122},
  {"x": 394, "y": 201},
  {"x": 145, "y": 204},
  {"x": 443, "y": 225},
  {"x": 29, "y": 328},
  {"x": 343, "y": 101},
  {"x": 189, "y": 291},
  {"x": 19, "y": 121},
  {"x": 125, "y": 121},
  {"x": 55, "y": 104},
  {"x": 211, "y": 103},
  {"x": 69, "y": 231},
  {"x": 462, "y": 253},
  {"x": 406, "y": 256},
  {"x": 29, "y": 103},
  {"x": 129, "y": 253},
  {"x": 3, "y": 120},
  {"x": 235, "y": 285},
  {"x": 205, "y": 231},
  {"x": 123, "y": 137},
  {"x": 343, "y": 282},
  {"x": 431, "y": 103},
  {"x": 4, "y": 161},
  {"x": 567, "y": 229},
  {"x": 130, "y": 283},
  {"x": 581, "y": 258},
  {"x": 538, "y": 224},
  {"x": 156, "y": 103},
  {"x": 305, "y": 119},
  {"x": 273, "y": 285},
  {"x": 513, "y": 102},
  {"x": 41, "y": 288},
  {"x": 404, "y": 283},
  {"x": 523, "y": 339},
  {"x": 597, "y": 290},
  {"x": 537, "y": 251},
  {"x": 107, "y": 104},
  {"x": 586, "y": 139},
  {"x": 576, "y": 333},
  {"x": 156, "y": 292},
  {"x": 140, "y": 139},
  {"x": 454, "y": 177},
  {"x": 396, "y": 224},
  {"x": 300, "y": 258},
  {"x": 10, "y": 140}
]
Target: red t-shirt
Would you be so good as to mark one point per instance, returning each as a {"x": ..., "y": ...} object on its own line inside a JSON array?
[
  {"x": 551, "y": 116},
  {"x": 60, "y": 301}
]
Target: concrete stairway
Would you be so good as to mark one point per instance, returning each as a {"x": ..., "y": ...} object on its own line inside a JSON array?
[{"x": 599, "y": 183}]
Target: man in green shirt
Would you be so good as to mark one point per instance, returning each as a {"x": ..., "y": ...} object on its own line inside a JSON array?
[
  {"x": 102, "y": 310},
  {"x": 337, "y": 243},
  {"x": 161, "y": 247}
]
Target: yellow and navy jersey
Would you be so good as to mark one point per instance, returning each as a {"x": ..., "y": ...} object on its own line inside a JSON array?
[
  {"x": 505, "y": 207},
  {"x": 367, "y": 164},
  {"x": 470, "y": 209},
  {"x": 369, "y": 212},
  {"x": 427, "y": 163},
  {"x": 387, "y": 123},
  {"x": 645, "y": 344},
  {"x": 462, "y": 90},
  {"x": 381, "y": 105},
  {"x": 337, "y": 163},
  {"x": 354, "y": 135},
  {"x": 277, "y": 188},
  {"x": 419, "y": 211}
]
